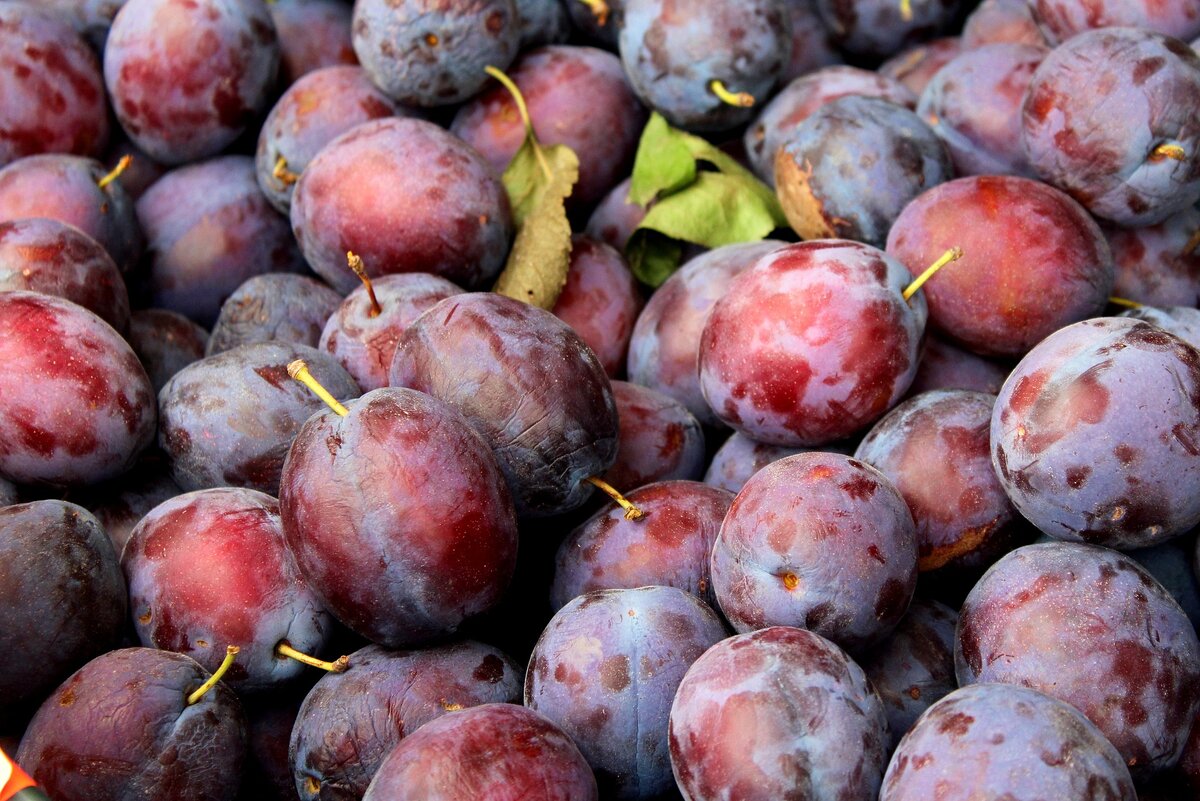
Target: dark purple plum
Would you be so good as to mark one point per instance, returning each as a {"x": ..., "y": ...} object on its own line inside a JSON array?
[
  {"x": 914, "y": 667},
  {"x": 778, "y": 713},
  {"x": 52, "y": 257},
  {"x": 267, "y": 775},
  {"x": 229, "y": 419},
  {"x": 363, "y": 339},
  {"x": 877, "y": 29},
  {"x": 120, "y": 504},
  {"x": 121, "y": 728},
  {"x": 614, "y": 219},
  {"x": 8, "y": 493},
  {"x": 974, "y": 106},
  {"x": 998, "y": 741},
  {"x": 741, "y": 457},
  {"x": 664, "y": 348},
  {"x": 600, "y": 300},
  {"x": 945, "y": 366},
  {"x": 934, "y": 448},
  {"x": 313, "y": 34},
  {"x": 527, "y": 383},
  {"x": 916, "y": 66},
  {"x": 76, "y": 406},
  {"x": 209, "y": 228},
  {"x": 819, "y": 541},
  {"x": 406, "y": 196},
  {"x": 350, "y": 721},
  {"x": 812, "y": 343},
  {"x": 995, "y": 21},
  {"x": 659, "y": 439},
  {"x": 67, "y": 188},
  {"x": 542, "y": 22},
  {"x": 1096, "y": 434},
  {"x": 186, "y": 77},
  {"x": 804, "y": 95},
  {"x": 274, "y": 307},
  {"x": 314, "y": 111},
  {"x": 1033, "y": 261},
  {"x": 1158, "y": 264},
  {"x": 398, "y": 516},
  {"x": 492, "y": 752},
  {"x": 680, "y": 56},
  {"x": 812, "y": 44},
  {"x": 848, "y": 143},
  {"x": 433, "y": 52},
  {"x": 244, "y": 591},
  {"x": 1063, "y": 19},
  {"x": 669, "y": 546},
  {"x": 1136, "y": 167},
  {"x": 1091, "y": 627},
  {"x": 605, "y": 671},
  {"x": 91, "y": 18},
  {"x": 578, "y": 97},
  {"x": 1182, "y": 321},
  {"x": 50, "y": 82},
  {"x": 62, "y": 597},
  {"x": 165, "y": 342}
]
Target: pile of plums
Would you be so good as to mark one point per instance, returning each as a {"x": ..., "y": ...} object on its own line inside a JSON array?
[{"x": 898, "y": 504}]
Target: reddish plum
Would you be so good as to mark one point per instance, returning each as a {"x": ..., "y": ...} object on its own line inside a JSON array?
[
  {"x": 995, "y": 21},
  {"x": 1063, "y": 19},
  {"x": 600, "y": 300},
  {"x": 915, "y": 67},
  {"x": 313, "y": 34},
  {"x": 741, "y": 457},
  {"x": 659, "y": 439},
  {"x": 944, "y": 366},
  {"x": 614, "y": 219},
  {"x": 1158, "y": 264},
  {"x": 165, "y": 342},
  {"x": 274, "y": 306}
]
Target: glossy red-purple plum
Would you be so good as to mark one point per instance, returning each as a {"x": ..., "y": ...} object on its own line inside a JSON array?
[
  {"x": 659, "y": 439},
  {"x": 312, "y": 34},
  {"x": 165, "y": 342},
  {"x": 1158, "y": 264},
  {"x": 600, "y": 300}
]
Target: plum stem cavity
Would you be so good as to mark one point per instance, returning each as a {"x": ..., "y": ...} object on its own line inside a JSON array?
[
  {"x": 338, "y": 665},
  {"x": 282, "y": 174},
  {"x": 299, "y": 371},
  {"x": 953, "y": 254},
  {"x": 355, "y": 262},
  {"x": 739, "y": 99},
  {"x": 231, "y": 652},
  {"x": 631, "y": 511},
  {"x": 116, "y": 171}
]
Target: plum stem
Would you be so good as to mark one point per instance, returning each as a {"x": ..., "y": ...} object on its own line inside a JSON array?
[
  {"x": 338, "y": 665},
  {"x": 1129, "y": 304},
  {"x": 739, "y": 99},
  {"x": 906, "y": 11},
  {"x": 1192, "y": 243},
  {"x": 790, "y": 581},
  {"x": 599, "y": 10},
  {"x": 282, "y": 174},
  {"x": 1168, "y": 151},
  {"x": 359, "y": 269},
  {"x": 116, "y": 171},
  {"x": 519, "y": 99},
  {"x": 631, "y": 511},
  {"x": 231, "y": 653},
  {"x": 299, "y": 371},
  {"x": 953, "y": 254}
]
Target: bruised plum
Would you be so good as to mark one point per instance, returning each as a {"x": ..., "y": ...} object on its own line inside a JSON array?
[
  {"x": 600, "y": 300},
  {"x": 165, "y": 342},
  {"x": 350, "y": 721},
  {"x": 659, "y": 439},
  {"x": 777, "y": 713},
  {"x": 273, "y": 307}
]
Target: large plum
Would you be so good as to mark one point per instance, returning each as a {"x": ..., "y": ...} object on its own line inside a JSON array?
[{"x": 1066, "y": 18}]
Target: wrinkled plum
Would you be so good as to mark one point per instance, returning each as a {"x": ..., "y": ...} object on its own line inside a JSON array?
[
  {"x": 1043, "y": 611},
  {"x": 605, "y": 671},
  {"x": 542, "y": 22},
  {"x": 498, "y": 752},
  {"x": 209, "y": 228},
  {"x": 741, "y": 457},
  {"x": 121, "y": 727},
  {"x": 995, "y": 21},
  {"x": 76, "y": 406},
  {"x": 165, "y": 342},
  {"x": 527, "y": 383},
  {"x": 944, "y": 366},
  {"x": 186, "y": 77},
  {"x": 62, "y": 597},
  {"x": 1066, "y": 18},
  {"x": 229, "y": 419},
  {"x": 398, "y": 516},
  {"x": 350, "y": 721},
  {"x": 778, "y": 713},
  {"x": 274, "y": 306},
  {"x": 406, "y": 196},
  {"x": 600, "y": 300},
  {"x": 1033, "y": 261},
  {"x": 313, "y": 34},
  {"x": 433, "y": 52},
  {"x": 659, "y": 439},
  {"x": 669, "y": 546},
  {"x": 1158, "y": 264},
  {"x": 876, "y": 29},
  {"x": 1096, "y": 434},
  {"x": 998, "y": 741},
  {"x": 1136, "y": 167},
  {"x": 819, "y": 541},
  {"x": 812, "y": 343},
  {"x": 915, "y": 67},
  {"x": 848, "y": 143}
]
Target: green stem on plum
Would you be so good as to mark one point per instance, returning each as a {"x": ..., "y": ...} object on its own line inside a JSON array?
[
  {"x": 599, "y": 10},
  {"x": 358, "y": 268},
  {"x": 1192, "y": 243},
  {"x": 338, "y": 665},
  {"x": 1129, "y": 304},
  {"x": 113, "y": 175},
  {"x": 953, "y": 254},
  {"x": 519, "y": 99},
  {"x": 282, "y": 174},
  {"x": 739, "y": 99},
  {"x": 299, "y": 371},
  {"x": 1168, "y": 151},
  {"x": 231, "y": 652},
  {"x": 906, "y": 12},
  {"x": 631, "y": 511}
]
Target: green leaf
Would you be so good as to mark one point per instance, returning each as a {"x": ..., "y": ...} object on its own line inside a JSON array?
[
  {"x": 538, "y": 180},
  {"x": 664, "y": 163},
  {"x": 653, "y": 257}
]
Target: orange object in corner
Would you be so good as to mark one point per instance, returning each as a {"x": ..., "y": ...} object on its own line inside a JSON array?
[{"x": 14, "y": 782}]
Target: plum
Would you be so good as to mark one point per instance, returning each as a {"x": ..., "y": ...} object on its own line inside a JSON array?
[
  {"x": 877, "y": 29},
  {"x": 915, "y": 67},
  {"x": 741, "y": 457},
  {"x": 945, "y": 366},
  {"x": 995, "y": 21},
  {"x": 777, "y": 713},
  {"x": 497, "y": 752},
  {"x": 998, "y": 741},
  {"x": 527, "y": 383},
  {"x": 123, "y": 727},
  {"x": 1182, "y": 321},
  {"x": 1171, "y": 565},
  {"x": 1158, "y": 264},
  {"x": 1066, "y": 18},
  {"x": 1091, "y": 627},
  {"x": 605, "y": 671},
  {"x": 820, "y": 541},
  {"x": 659, "y": 439},
  {"x": 76, "y": 406},
  {"x": 229, "y": 419},
  {"x": 350, "y": 721},
  {"x": 812, "y": 43},
  {"x": 165, "y": 342},
  {"x": 669, "y": 546},
  {"x": 614, "y": 218},
  {"x": 542, "y": 22},
  {"x": 62, "y": 597},
  {"x": 120, "y": 504},
  {"x": 267, "y": 775},
  {"x": 600, "y": 300},
  {"x": 92, "y": 18},
  {"x": 273, "y": 307},
  {"x": 1094, "y": 435},
  {"x": 313, "y": 35}
]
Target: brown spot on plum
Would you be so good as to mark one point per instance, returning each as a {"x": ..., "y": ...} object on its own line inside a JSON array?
[
  {"x": 956, "y": 724},
  {"x": 860, "y": 487},
  {"x": 491, "y": 669},
  {"x": 1125, "y": 454},
  {"x": 614, "y": 673},
  {"x": 1078, "y": 476},
  {"x": 892, "y": 599}
]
